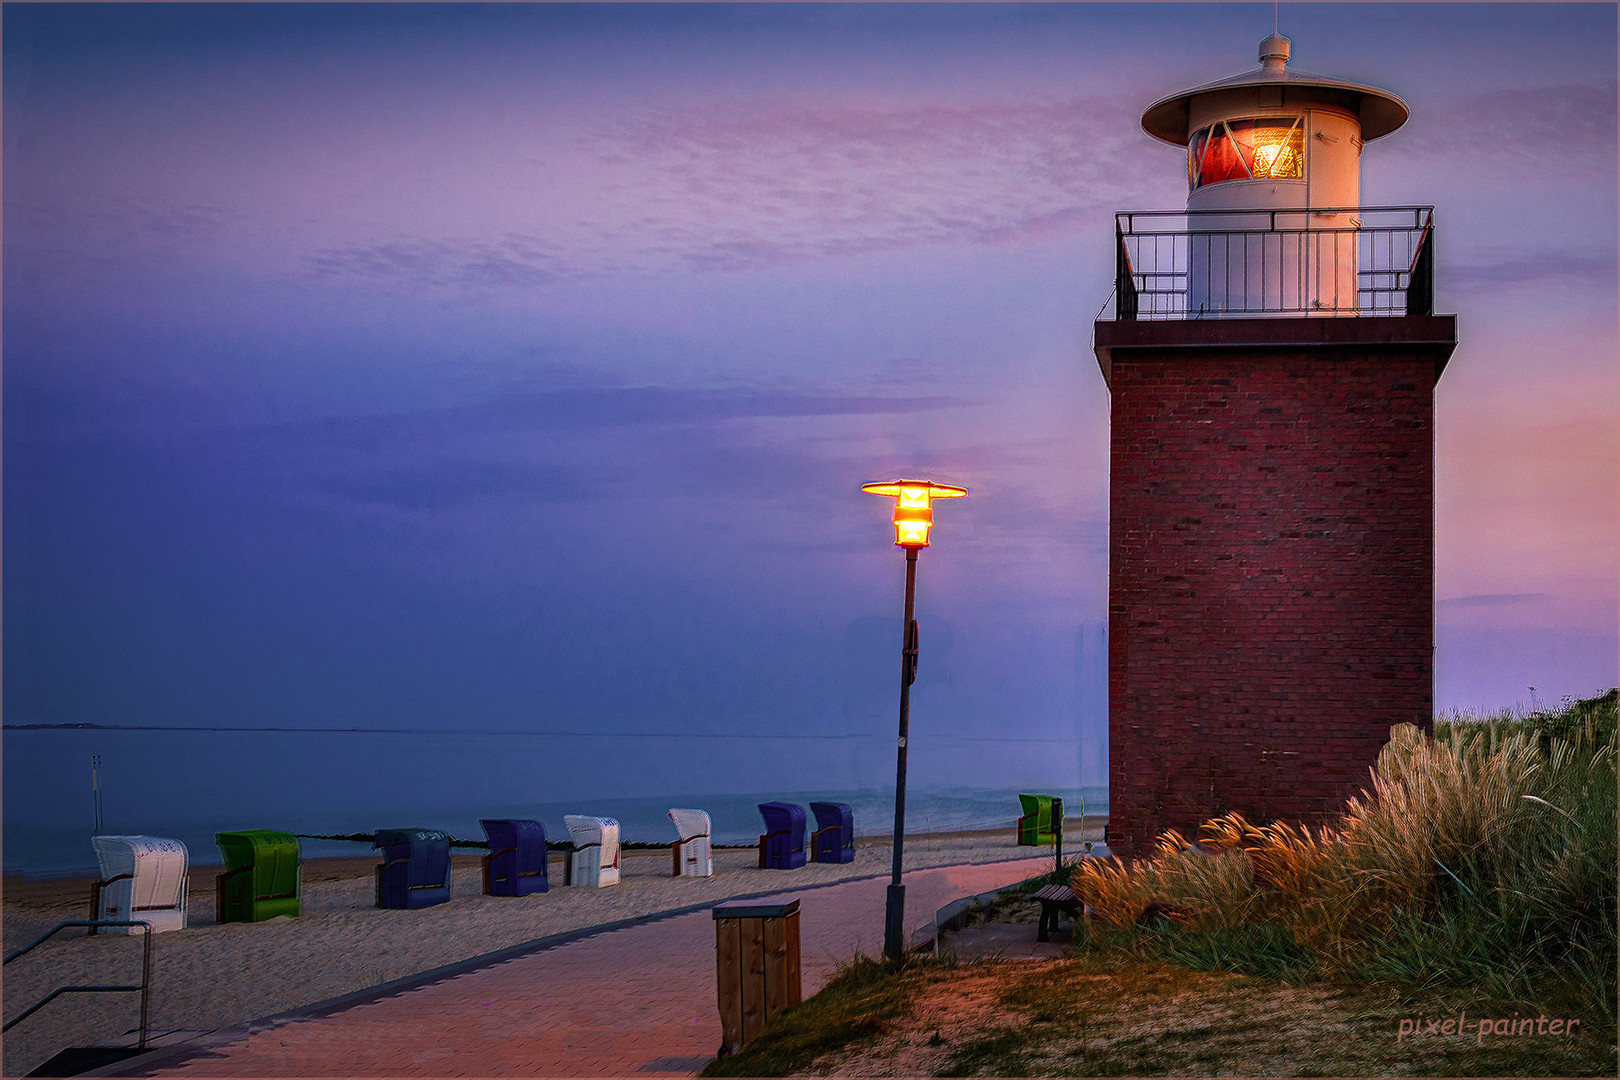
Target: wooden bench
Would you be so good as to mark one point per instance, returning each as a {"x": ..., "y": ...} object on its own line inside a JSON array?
[{"x": 1054, "y": 900}]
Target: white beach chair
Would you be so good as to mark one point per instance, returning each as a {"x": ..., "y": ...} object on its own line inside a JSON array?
[
  {"x": 594, "y": 862},
  {"x": 142, "y": 878},
  {"x": 691, "y": 852}
]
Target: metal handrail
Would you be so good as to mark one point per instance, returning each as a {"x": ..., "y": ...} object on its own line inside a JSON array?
[
  {"x": 94, "y": 924},
  {"x": 1375, "y": 260},
  {"x": 1125, "y": 220}
]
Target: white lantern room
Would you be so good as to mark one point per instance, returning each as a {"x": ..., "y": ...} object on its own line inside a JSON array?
[{"x": 1274, "y": 185}]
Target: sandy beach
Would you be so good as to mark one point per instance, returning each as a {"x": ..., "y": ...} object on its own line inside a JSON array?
[{"x": 213, "y": 975}]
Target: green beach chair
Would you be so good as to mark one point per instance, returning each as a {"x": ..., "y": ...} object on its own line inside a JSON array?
[
  {"x": 1038, "y": 825},
  {"x": 262, "y": 878}
]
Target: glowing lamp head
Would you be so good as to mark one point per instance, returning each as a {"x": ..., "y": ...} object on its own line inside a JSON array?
[{"x": 913, "y": 507}]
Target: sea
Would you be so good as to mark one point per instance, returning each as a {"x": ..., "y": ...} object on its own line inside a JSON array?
[{"x": 64, "y": 785}]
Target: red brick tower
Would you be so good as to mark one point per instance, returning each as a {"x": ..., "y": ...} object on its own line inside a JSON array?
[{"x": 1272, "y": 364}]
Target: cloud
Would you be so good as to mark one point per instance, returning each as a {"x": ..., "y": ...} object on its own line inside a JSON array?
[
  {"x": 1493, "y": 600},
  {"x": 512, "y": 261},
  {"x": 1592, "y": 267},
  {"x": 525, "y": 448},
  {"x": 795, "y": 181},
  {"x": 741, "y": 187},
  {"x": 181, "y": 223},
  {"x": 1557, "y": 130},
  {"x": 452, "y": 483},
  {"x": 520, "y": 448},
  {"x": 597, "y": 408},
  {"x": 53, "y": 237}
]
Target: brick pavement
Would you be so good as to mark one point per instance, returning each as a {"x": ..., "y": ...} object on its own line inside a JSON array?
[{"x": 636, "y": 1000}]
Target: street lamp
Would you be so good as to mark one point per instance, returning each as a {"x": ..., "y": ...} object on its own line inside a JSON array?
[{"x": 913, "y": 516}]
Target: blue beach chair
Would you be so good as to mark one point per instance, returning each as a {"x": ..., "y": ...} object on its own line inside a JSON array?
[
  {"x": 415, "y": 871},
  {"x": 781, "y": 846},
  {"x": 516, "y": 863},
  {"x": 834, "y": 838}
]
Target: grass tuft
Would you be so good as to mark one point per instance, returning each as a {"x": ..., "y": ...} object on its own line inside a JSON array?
[
  {"x": 1264, "y": 950},
  {"x": 1482, "y": 856}
]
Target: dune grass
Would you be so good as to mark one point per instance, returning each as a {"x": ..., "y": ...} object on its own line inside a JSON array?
[{"x": 1482, "y": 857}]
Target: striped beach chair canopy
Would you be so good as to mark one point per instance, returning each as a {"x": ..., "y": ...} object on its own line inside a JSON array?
[
  {"x": 594, "y": 862},
  {"x": 693, "y": 856},
  {"x": 142, "y": 877}
]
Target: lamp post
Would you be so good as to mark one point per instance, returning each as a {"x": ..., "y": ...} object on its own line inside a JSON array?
[{"x": 913, "y": 516}]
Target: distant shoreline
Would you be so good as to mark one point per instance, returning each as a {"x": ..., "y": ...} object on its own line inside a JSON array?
[
  {"x": 359, "y": 730},
  {"x": 793, "y": 737},
  {"x": 195, "y": 727}
]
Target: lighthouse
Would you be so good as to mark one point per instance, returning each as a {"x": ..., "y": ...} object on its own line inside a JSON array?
[{"x": 1271, "y": 366}]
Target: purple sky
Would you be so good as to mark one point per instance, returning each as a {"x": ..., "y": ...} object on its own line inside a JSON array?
[{"x": 518, "y": 367}]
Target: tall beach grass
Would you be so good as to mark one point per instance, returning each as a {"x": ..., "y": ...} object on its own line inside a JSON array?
[{"x": 1482, "y": 857}]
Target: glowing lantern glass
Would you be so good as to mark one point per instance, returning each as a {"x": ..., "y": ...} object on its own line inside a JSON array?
[
  {"x": 913, "y": 507},
  {"x": 1268, "y": 148}
]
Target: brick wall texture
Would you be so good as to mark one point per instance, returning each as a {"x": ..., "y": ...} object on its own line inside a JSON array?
[{"x": 1271, "y": 555}]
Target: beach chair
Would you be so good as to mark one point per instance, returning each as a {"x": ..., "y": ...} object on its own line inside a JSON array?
[
  {"x": 781, "y": 845},
  {"x": 834, "y": 838},
  {"x": 415, "y": 871},
  {"x": 516, "y": 863},
  {"x": 262, "y": 877},
  {"x": 1037, "y": 826},
  {"x": 691, "y": 854},
  {"x": 143, "y": 878},
  {"x": 594, "y": 862}
]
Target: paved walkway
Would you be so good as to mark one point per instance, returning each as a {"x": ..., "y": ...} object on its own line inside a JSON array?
[{"x": 637, "y": 1000}]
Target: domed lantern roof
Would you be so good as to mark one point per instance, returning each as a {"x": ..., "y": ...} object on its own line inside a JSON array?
[{"x": 1380, "y": 111}]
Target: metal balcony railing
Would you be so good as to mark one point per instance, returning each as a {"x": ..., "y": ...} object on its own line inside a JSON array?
[{"x": 1187, "y": 264}]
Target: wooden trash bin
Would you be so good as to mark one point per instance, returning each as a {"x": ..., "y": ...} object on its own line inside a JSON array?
[{"x": 756, "y": 954}]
